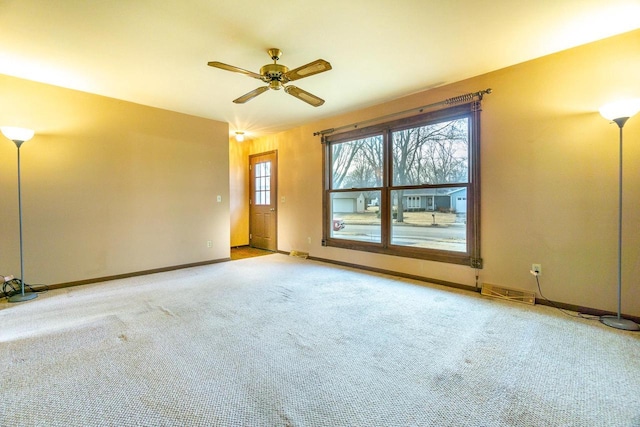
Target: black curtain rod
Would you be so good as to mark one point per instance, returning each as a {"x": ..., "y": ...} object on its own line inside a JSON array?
[{"x": 450, "y": 101}]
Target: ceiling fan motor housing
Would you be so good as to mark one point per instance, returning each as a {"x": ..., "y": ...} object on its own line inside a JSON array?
[{"x": 275, "y": 72}]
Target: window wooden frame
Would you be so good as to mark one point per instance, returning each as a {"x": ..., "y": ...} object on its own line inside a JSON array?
[{"x": 471, "y": 256}]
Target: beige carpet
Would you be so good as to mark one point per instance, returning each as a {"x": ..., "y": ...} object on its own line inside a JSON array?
[{"x": 282, "y": 341}]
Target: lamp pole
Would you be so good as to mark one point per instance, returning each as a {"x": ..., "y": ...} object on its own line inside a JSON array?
[
  {"x": 19, "y": 136},
  {"x": 21, "y": 296},
  {"x": 619, "y": 113}
]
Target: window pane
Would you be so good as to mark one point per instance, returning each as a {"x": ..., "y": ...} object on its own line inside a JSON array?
[
  {"x": 263, "y": 183},
  {"x": 356, "y": 216},
  {"x": 433, "y": 154},
  {"x": 357, "y": 164},
  {"x": 433, "y": 218}
]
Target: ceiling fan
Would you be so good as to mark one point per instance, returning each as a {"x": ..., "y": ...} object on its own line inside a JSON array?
[{"x": 277, "y": 75}]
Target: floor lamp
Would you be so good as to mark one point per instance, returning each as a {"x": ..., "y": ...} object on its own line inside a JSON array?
[
  {"x": 619, "y": 112},
  {"x": 19, "y": 136}
]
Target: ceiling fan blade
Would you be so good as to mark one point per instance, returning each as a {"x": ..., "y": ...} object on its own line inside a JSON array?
[
  {"x": 315, "y": 67},
  {"x": 304, "y": 96},
  {"x": 222, "y": 66},
  {"x": 249, "y": 96}
]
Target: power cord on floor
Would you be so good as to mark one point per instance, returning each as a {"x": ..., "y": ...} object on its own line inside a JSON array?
[
  {"x": 12, "y": 286},
  {"x": 552, "y": 304}
]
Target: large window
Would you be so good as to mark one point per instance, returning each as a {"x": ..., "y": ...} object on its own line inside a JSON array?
[{"x": 407, "y": 188}]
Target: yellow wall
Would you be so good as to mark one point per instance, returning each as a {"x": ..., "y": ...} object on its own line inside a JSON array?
[
  {"x": 549, "y": 178},
  {"x": 109, "y": 187},
  {"x": 239, "y": 190}
]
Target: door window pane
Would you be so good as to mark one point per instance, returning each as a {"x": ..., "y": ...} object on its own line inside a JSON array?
[{"x": 262, "y": 183}]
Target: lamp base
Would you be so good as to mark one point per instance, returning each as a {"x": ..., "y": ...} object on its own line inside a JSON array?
[
  {"x": 620, "y": 323},
  {"x": 22, "y": 297}
]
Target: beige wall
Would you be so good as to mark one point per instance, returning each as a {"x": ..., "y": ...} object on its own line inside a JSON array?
[
  {"x": 109, "y": 187},
  {"x": 549, "y": 178}
]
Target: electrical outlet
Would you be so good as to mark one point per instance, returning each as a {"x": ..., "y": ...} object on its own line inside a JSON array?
[
  {"x": 309, "y": 240},
  {"x": 209, "y": 243},
  {"x": 537, "y": 268}
]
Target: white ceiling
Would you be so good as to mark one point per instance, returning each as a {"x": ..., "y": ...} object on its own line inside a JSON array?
[{"x": 155, "y": 52}]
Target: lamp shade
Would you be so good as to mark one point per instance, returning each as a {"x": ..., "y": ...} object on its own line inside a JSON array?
[
  {"x": 17, "y": 134},
  {"x": 620, "y": 109}
]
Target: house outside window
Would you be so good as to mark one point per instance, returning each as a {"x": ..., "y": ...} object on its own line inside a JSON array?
[{"x": 407, "y": 188}]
